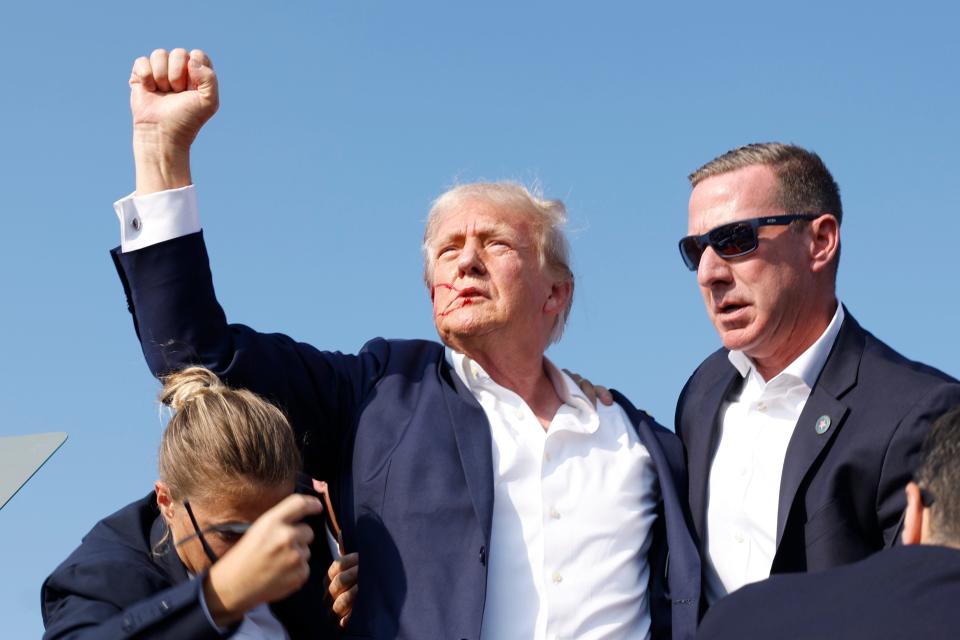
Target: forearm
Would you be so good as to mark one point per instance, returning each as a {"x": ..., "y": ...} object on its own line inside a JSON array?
[
  {"x": 160, "y": 163},
  {"x": 175, "y": 612}
]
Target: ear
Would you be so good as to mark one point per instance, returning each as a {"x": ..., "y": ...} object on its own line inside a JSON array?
[
  {"x": 824, "y": 241},
  {"x": 164, "y": 500},
  {"x": 913, "y": 515},
  {"x": 560, "y": 294}
]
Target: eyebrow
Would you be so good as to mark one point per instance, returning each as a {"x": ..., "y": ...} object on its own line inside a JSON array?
[{"x": 484, "y": 231}]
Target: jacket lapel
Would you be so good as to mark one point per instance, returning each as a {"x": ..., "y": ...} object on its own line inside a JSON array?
[
  {"x": 822, "y": 416},
  {"x": 706, "y": 410},
  {"x": 472, "y": 432}
]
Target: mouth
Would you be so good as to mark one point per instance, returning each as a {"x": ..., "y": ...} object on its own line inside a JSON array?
[
  {"x": 463, "y": 298},
  {"x": 469, "y": 293},
  {"x": 729, "y": 309}
]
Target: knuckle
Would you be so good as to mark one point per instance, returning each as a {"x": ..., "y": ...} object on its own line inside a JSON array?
[{"x": 156, "y": 53}]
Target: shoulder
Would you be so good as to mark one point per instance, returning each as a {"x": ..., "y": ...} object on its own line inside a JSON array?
[
  {"x": 897, "y": 584},
  {"x": 405, "y": 350},
  {"x": 412, "y": 359},
  {"x": 882, "y": 368},
  {"x": 639, "y": 416},
  {"x": 114, "y": 560},
  {"x": 654, "y": 436}
]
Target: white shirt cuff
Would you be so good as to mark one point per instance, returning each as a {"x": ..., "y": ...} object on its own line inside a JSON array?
[
  {"x": 157, "y": 217},
  {"x": 206, "y": 611}
]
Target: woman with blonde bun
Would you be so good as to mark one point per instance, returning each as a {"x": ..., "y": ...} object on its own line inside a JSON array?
[{"x": 218, "y": 549}]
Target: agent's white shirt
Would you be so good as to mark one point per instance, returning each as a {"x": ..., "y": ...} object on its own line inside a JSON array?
[
  {"x": 744, "y": 487},
  {"x": 573, "y": 510}
]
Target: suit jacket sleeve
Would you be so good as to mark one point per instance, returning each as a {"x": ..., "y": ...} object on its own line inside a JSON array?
[
  {"x": 169, "y": 290},
  {"x": 903, "y": 455},
  {"x": 110, "y": 600}
]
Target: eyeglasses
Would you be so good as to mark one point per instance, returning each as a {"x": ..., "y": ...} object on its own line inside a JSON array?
[
  {"x": 233, "y": 528},
  {"x": 734, "y": 239},
  {"x": 926, "y": 498}
]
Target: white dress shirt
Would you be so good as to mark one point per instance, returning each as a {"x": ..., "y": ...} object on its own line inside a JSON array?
[
  {"x": 573, "y": 510},
  {"x": 744, "y": 487}
]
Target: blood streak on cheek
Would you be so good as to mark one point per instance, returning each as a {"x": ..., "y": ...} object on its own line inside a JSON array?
[{"x": 449, "y": 307}]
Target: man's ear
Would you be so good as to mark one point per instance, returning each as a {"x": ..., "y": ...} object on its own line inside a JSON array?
[
  {"x": 913, "y": 515},
  {"x": 559, "y": 298},
  {"x": 824, "y": 241}
]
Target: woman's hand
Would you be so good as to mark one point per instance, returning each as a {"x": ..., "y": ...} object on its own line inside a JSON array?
[{"x": 268, "y": 563}]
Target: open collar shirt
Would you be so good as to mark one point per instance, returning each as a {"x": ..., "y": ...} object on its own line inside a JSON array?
[
  {"x": 574, "y": 507},
  {"x": 744, "y": 486}
]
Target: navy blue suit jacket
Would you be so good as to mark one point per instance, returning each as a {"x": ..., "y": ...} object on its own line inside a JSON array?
[
  {"x": 906, "y": 592},
  {"x": 404, "y": 445},
  {"x": 841, "y": 492},
  {"x": 115, "y": 586}
]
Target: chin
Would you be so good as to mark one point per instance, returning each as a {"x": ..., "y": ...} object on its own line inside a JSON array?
[{"x": 738, "y": 339}]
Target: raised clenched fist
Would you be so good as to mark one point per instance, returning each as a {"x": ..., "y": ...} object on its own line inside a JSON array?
[{"x": 173, "y": 94}]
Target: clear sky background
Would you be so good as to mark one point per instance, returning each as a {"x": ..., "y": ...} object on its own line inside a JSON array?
[{"x": 341, "y": 121}]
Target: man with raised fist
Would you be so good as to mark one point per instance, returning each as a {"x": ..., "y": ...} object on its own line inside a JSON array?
[{"x": 487, "y": 496}]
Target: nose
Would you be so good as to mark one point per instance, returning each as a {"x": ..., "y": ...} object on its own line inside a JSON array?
[
  {"x": 470, "y": 262},
  {"x": 713, "y": 269}
]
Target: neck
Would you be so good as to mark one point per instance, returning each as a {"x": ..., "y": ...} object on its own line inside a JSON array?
[
  {"x": 803, "y": 332},
  {"x": 518, "y": 367}
]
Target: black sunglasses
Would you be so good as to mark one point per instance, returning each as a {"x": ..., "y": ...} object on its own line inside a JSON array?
[
  {"x": 733, "y": 239},
  {"x": 234, "y": 528}
]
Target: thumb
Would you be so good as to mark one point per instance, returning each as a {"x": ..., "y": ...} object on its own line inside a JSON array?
[{"x": 203, "y": 78}]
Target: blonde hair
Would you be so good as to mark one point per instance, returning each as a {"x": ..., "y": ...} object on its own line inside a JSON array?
[
  {"x": 218, "y": 434},
  {"x": 547, "y": 217}
]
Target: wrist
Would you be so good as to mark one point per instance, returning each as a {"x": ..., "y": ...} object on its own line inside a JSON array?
[
  {"x": 161, "y": 163},
  {"x": 223, "y": 605}
]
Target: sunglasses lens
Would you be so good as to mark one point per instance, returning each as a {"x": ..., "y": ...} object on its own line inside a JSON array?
[
  {"x": 690, "y": 251},
  {"x": 733, "y": 240}
]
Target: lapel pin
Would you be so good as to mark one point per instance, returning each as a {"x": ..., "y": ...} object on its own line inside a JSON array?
[{"x": 823, "y": 423}]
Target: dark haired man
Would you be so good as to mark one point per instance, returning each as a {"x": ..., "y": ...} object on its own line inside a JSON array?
[
  {"x": 802, "y": 431},
  {"x": 906, "y": 592}
]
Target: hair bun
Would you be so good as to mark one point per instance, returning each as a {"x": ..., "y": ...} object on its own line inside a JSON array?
[{"x": 182, "y": 387}]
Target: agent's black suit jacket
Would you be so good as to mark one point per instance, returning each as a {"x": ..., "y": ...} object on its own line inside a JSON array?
[
  {"x": 115, "y": 586},
  {"x": 901, "y": 593},
  {"x": 842, "y": 492},
  {"x": 403, "y": 443}
]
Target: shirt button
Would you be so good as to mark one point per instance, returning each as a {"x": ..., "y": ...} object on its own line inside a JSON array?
[
  {"x": 743, "y": 471},
  {"x": 554, "y": 514},
  {"x": 761, "y": 406},
  {"x": 556, "y": 577},
  {"x": 738, "y": 537},
  {"x": 546, "y": 456},
  {"x": 135, "y": 223},
  {"x": 520, "y": 414}
]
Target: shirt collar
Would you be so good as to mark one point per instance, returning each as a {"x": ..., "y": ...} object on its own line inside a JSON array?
[
  {"x": 474, "y": 377},
  {"x": 808, "y": 365}
]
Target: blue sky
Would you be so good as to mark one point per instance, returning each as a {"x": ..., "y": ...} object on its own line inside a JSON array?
[{"x": 341, "y": 121}]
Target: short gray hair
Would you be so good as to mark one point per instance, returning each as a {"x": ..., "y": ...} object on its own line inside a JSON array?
[{"x": 548, "y": 218}]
